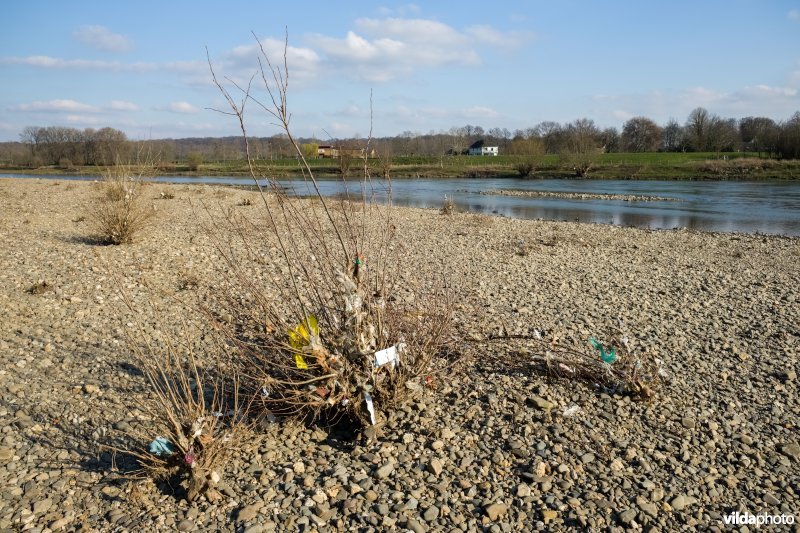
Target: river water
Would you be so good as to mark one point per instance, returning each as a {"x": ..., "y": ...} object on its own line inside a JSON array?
[{"x": 724, "y": 206}]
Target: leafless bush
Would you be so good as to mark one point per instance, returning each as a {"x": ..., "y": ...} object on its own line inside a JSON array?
[
  {"x": 192, "y": 417},
  {"x": 448, "y": 206},
  {"x": 120, "y": 211},
  {"x": 524, "y": 168},
  {"x": 614, "y": 363},
  {"x": 311, "y": 305}
]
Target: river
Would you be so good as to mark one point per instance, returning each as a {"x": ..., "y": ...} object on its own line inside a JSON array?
[{"x": 770, "y": 207}]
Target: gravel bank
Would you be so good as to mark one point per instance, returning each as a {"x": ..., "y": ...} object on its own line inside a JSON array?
[
  {"x": 494, "y": 450},
  {"x": 579, "y": 195}
]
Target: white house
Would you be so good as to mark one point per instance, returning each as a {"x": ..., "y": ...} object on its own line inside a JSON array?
[{"x": 479, "y": 148}]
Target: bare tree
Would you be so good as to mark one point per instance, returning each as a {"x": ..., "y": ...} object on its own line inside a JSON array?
[{"x": 641, "y": 134}]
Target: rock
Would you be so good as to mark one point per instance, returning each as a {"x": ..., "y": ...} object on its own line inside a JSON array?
[
  {"x": 90, "y": 388},
  {"x": 541, "y": 403},
  {"x": 415, "y": 526},
  {"x": 548, "y": 515},
  {"x": 681, "y": 502},
  {"x": 790, "y": 375},
  {"x": 248, "y": 512},
  {"x": 628, "y": 516},
  {"x": 431, "y": 513},
  {"x": 370, "y": 495},
  {"x": 688, "y": 423},
  {"x": 299, "y": 467},
  {"x": 384, "y": 471},
  {"x": 437, "y": 445},
  {"x": 791, "y": 450},
  {"x": 769, "y": 499},
  {"x": 495, "y": 510},
  {"x": 435, "y": 467},
  {"x": 42, "y": 506},
  {"x": 523, "y": 490},
  {"x": 6, "y": 454},
  {"x": 185, "y": 525}
]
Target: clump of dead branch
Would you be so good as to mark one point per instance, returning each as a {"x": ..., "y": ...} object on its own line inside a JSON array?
[{"x": 612, "y": 363}]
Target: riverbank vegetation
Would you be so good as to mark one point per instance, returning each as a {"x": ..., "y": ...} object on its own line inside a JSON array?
[{"x": 705, "y": 146}]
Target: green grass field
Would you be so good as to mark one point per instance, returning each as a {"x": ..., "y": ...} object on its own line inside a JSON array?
[{"x": 682, "y": 166}]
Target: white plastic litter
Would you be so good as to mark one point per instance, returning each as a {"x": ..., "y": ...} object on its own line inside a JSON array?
[
  {"x": 370, "y": 407},
  {"x": 389, "y": 355}
]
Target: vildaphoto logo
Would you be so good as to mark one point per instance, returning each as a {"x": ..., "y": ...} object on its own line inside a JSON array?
[{"x": 740, "y": 519}]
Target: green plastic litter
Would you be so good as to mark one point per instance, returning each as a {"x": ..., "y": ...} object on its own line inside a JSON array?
[{"x": 607, "y": 357}]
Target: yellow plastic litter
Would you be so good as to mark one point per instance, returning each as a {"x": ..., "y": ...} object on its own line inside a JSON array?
[{"x": 301, "y": 336}]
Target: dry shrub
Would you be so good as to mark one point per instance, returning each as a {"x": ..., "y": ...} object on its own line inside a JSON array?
[
  {"x": 448, "y": 206},
  {"x": 193, "y": 420},
  {"x": 312, "y": 300},
  {"x": 613, "y": 363},
  {"x": 120, "y": 211}
]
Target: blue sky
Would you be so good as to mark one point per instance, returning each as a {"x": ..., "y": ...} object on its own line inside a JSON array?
[{"x": 141, "y": 66}]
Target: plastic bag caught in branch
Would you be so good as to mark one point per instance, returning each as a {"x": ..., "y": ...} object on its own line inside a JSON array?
[{"x": 305, "y": 334}]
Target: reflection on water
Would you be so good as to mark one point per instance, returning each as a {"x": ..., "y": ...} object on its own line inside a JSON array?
[{"x": 765, "y": 207}]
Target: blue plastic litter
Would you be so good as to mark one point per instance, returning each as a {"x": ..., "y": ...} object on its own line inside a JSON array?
[
  {"x": 161, "y": 446},
  {"x": 607, "y": 357}
]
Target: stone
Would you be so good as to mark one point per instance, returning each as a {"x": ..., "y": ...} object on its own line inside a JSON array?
[
  {"x": 791, "y": 450},
  {"x": 248, "y": 512},
  {"x": 415, "y": 526},
  {"x": 548, "y": 515},
  {"x": 384, "y": 471},
  {"x": 523, "y": 490},
  {"x": 769, "y": 499},
  {"x": 627, "y": 517},
  {"x": 435, "y": 467},
  {"x": 688, "y": 423},
  {"x": 681, "y": 502},
  {"x": 185, "y": 525},
  {"x": 431, "y": 513},
  {"x": 6, "y": 454},
  {"x": 299, "y": 467},
  {"x": 542, "y": 404},
  {"x": 495, "y": 510},
  {"x": 42, "y": 506},
  {"x": 437, "y": 445}
]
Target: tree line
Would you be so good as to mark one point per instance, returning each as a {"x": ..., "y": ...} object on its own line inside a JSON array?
[{"x": 702, "y": 131}]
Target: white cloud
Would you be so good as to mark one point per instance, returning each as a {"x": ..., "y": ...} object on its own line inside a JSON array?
[
  {"x": 120, "y": 105},
  {"x": 180, "y": 107},
  {"x": 242, "y": 62},
  {"x": 101, "y": 38},
  {"x": 85, "y": 120},
  {"x": 48, "y": 62},
  {"x": 491, "y": 36},
  {"x": 56, "y": 106},
  {"x": 755, "y": 100},
  {"x": 480, "y": 112},
  {"x": 794, "y": 14},
  {"x": 384, "y": 49}
]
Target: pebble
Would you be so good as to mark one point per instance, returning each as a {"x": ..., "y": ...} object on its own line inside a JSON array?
[
  {"x": 495, "y": 510},
  {"x": 248, "y": 512},
  {"x": 384, "y": 471}
]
